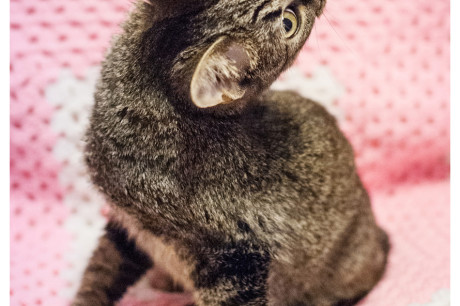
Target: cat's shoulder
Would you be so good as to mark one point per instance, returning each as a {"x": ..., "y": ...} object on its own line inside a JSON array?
[
  {"x": 304, "y": 111},
  {"x": 307, "y": 125}
]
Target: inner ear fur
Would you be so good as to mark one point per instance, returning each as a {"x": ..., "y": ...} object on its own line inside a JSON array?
[{"x": 218, "y": 75}]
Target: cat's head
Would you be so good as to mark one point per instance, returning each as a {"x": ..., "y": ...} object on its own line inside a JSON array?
[{"x": 221, "y": 52}]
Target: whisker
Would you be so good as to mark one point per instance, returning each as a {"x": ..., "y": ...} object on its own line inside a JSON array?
[
  {"x": 337, "y": 33},
  {"x": 316, "y": 38}
]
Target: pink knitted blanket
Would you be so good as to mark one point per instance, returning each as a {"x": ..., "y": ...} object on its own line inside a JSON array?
[{"x": 382, "y": 68}]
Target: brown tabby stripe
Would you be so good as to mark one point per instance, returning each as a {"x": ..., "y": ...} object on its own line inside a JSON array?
[
  {"x": 258, "y": 9},
  {"x": 272, "y": 15},
  {"x": 134, "y": 262}
]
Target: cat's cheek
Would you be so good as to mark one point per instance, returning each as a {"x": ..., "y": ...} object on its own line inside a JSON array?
[{"x": 319, "y": 11}]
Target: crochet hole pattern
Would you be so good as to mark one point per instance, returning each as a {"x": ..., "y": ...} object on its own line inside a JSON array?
[{"x": 381, "y": 70}]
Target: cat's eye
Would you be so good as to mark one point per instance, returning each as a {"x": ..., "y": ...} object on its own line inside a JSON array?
[{"x": 290, "y": 23}]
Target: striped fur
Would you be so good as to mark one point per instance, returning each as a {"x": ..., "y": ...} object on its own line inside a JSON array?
[{"x": 253, "y": 201}]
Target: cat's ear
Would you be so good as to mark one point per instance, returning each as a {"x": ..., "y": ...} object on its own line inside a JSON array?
[{"x": 218, "y": 75}]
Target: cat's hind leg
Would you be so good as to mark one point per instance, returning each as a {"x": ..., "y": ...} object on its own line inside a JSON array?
[{"x": 116, "y": 264}]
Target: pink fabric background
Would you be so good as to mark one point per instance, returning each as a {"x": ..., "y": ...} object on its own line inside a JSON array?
[{"x": 392, "y": 59}]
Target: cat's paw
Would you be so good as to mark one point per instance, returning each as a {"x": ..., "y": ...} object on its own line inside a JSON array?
[
  {"x": 156, "y": 298},
  {"x": 161, "y": 280}
]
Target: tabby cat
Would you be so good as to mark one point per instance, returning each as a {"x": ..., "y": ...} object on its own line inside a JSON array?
[{"x": 245, "y": 196}]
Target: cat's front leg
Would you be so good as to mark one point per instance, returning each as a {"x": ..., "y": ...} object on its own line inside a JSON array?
[
  {"x": 235, "y": 274},
  {"x": 116, "y": 264}
]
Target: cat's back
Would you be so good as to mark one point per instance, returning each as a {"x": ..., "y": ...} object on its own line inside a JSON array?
[
  {"x": 305, "y": 112},
  {"x": 311, "y": 129},
  {"x": 316, "y": 161}
]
